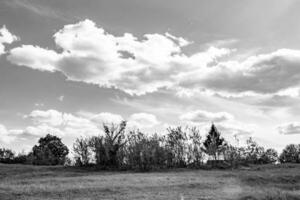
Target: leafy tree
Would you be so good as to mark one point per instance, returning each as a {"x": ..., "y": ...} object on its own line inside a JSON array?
[
  {"x": 269, "y": 156},
  {"x": 6, "y": 155},
  {"x": 49, "y": 151},
  {"x": 214, "y": 144},
  {"x": 290, "y": 154},
  {"x": 144, "y": 152},
  {"x": 253, "y": 151},
  {"x": 82, "y": 151},
  {"x": 195, "y": 152},
  {"x": 107, "y": 148},
  {"x": 176, "y": 144},
  {"x": 233, "y": 155}
]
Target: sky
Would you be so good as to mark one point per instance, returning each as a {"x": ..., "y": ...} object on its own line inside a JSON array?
[{"x": 68, "y": 66}]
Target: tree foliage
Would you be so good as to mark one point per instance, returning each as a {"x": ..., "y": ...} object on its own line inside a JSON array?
[
  {"x": 107, "y": 148},
  {"x": 82, "y": 151},
  {"x": 214, "y": 144},
  {"x": 290, "y": 154},
  {"x": 49, "y": 151}
]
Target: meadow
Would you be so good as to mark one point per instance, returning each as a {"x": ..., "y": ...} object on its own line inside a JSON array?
[{"x": 265, "y": 182}]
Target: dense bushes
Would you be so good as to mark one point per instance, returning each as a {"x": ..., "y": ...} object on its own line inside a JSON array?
[
  {"x": 290, "y": 154},
  {"x": 9, "y": 157},
  {"x": 178, "y": 148},
  {"x": 49, "y": 151}
]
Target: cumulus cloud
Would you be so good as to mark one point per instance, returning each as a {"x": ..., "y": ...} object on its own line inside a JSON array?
[
  {"x": 289, "y": 128},
  {"x": 225, "y": 122},
  {"x": 276, "y": 72},
  {"x": 72, "y": 125},
  {"x": 142, "y": 120},
  {"x": 7, "y": 136},
  {"x": 51, "y": 117},
  {"x": 200, "y": 116},
  {"x": 53, "y": 121},
  {"x": 5, "y": 38},
  {"x": 106, "y": 118},
  {"x": 34, "y": 57},
  {"x": 136, "y": 66}
]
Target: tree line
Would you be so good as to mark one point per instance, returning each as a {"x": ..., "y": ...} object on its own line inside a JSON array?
[{"x": 181, "y": 147}]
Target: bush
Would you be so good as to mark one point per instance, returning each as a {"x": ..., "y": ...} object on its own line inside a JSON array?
[
  {"x": 144, "y": 153},
  {"x": 50, "y": 151},
  {"x": 290, "y": 154},
  {"x": 108, "y": 149},
  {"x": 82, "y": 151}
]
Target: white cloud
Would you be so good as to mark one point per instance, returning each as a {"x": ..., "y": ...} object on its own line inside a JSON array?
[
  {"x": 55, "y": 122},
  {"x": 289, "y": 128},
  {"x": 200, "y": 116},
  {"x": 106, "y": 118},
  {"x": 50, "y": 117},
  {"x": 142, "y": 120},
  {"x": 276, "y": 72},
  {"x": 72, "y": 125},
  {"x": 136, "y": 66},
  {"x": 224, "y": 121},
  {"x": 34, "y": 57},
  {"x": 7, "y": 136},
  {"x": 5, "y": 38}
]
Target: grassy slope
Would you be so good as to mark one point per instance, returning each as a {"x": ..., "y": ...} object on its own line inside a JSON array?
[{"x": 34, "y": 182}]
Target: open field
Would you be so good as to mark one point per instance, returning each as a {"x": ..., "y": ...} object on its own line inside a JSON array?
[{"x": 35, "y": 182}]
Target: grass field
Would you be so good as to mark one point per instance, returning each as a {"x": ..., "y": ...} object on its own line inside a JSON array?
[{"x": 35, "y": 182}]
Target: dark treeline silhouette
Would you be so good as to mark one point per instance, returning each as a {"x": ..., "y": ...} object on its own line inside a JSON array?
[{"x": 134, "y": 150}]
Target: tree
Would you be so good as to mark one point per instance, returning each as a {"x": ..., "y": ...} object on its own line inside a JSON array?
[
  {"x": 290, "y": 154},
  {"x": 195, "y": 152},
  {"x": 107, "y": 148},
  {"x": 269, "y": 156},
  {"x": 49, "y": 151},
  {"x": 6, "y": 155},
  {"x": 82, "y": 151},
  {"x": 253, "y": 152},
  {"x": 176, "y": 144},
  {"x": 233, "y": 155},
  {"x": 214, "y": 143}
]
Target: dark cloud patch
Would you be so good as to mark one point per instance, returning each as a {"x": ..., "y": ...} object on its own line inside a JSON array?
[{"x": 291, "y": 128}]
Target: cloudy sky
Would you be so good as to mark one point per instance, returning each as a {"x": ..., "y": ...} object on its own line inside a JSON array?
[{"x": 68, "y": 66}]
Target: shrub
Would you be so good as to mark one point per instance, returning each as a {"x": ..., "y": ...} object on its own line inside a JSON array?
[
  {"x": 290, "y": 154},
  {"x": 82, "y": 151},
  {"x": 49, "y": 151}
]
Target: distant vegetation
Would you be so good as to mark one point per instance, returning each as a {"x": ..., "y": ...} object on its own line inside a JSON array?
[{"x": 135, "y": 150}]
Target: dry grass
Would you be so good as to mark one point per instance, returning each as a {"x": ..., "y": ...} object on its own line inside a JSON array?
[{"x": 33, "y": 182}]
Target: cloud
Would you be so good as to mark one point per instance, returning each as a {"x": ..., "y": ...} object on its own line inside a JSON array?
[
  {"x": 34, "y": 57},
  {"x": 5, "y": 38},
  {"x": 142, "y": 120},
  {"x": 224, "y": 121},
  {"x": 106, "y": 118},
  {"x": 137, "y": 66},
  {"x": 289, "y": 128},
  {"x": 53, "y": 121},
  {"x": 200, "y": 116},
  {"x": 236, "y": 129},
  {"x": 50, "y": 117},
  {"x": 276, "y": 72},
  {"x": 72, "y": 125},
  {"x": 7, "y": 136}
]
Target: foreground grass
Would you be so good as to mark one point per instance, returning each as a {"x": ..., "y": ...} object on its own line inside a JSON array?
[{"x": 35, "y": 182}]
